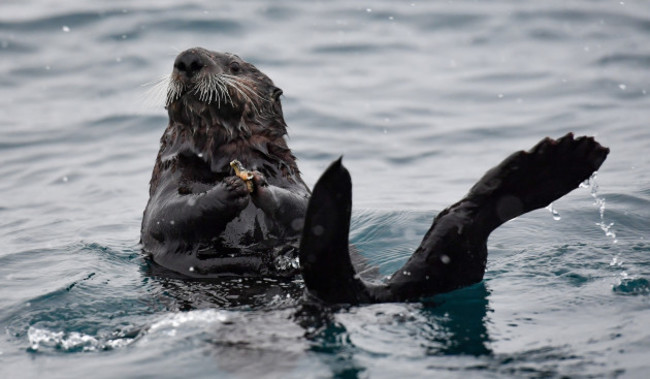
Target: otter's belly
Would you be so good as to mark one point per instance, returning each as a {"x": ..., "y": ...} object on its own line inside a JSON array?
[
  {"x": 251, "y": 226},
  {"x": 250, "y": 245}
]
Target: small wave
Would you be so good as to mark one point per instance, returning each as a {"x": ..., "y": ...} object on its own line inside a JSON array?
[
  {"x": 198, "y": 25},
  {"x": 72, "y": 20},
  {"x": 625, "y": 59},
  {"x": 43, "y": 339},
  {"x": 359, "y": 48},
  {"x": 169, "y": 324},
  {"x": 632, "y": 286}
]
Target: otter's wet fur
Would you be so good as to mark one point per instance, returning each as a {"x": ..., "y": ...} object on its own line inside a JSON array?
[{"x": 198, "y": 221}]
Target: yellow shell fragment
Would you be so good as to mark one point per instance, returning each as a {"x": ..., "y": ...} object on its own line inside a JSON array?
[{"x": 241, "y": 172}]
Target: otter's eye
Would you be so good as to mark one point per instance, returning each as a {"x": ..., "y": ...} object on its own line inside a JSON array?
[{"x": 234, "y": 67}]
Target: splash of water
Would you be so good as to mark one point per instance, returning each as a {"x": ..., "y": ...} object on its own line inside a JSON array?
[
  {"x": 72, "y": 341},
  {"x": 554, "y": 212},
  {"x": 623, "y": 281},
  {"x": 155, "y": 95},
  {"x": 600, "y": 203}
]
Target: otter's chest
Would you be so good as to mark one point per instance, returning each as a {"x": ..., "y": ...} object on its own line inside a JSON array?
[{"x": 248, "y": 229}]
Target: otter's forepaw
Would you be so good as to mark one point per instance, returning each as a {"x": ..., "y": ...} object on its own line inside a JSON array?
[
  {"x": 236, "y": 187},
  {"x": 259, "y": 180}
]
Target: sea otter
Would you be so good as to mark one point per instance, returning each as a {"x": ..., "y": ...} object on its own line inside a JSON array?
[
  {"x": 209, "y": 217},
  {"x": 202, "y": 220}
]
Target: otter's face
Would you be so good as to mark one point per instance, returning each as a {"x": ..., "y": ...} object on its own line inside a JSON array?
[{"x": 222, "y": 83}]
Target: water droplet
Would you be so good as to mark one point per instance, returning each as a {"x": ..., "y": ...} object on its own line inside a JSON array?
[
  {"x": 500, "y": 96},
  {"x": 407, "y": 273},
  {"x": 65, "y": 29},
  {"x": 297, "y": 223},
  {"x": 391, "y": 18},
  {"x": 317, "y": 230},
  {"x": 622, "y": 86},
  {"x": 171, "y": 222},
  {"x": 65, "y": 179},
  {"x": 600, "y": 203},
  {"x": 191, "y": 268},
  {"x": 369, "y": 10},
  {"x": 554, "y": 212},
  {"x": 445, "y": 259}
]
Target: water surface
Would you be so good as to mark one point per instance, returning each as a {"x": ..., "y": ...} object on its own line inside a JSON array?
[{"x": 420, "y": 98}]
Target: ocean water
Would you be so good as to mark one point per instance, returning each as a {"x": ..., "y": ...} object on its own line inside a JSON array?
[{"x": 420, "y": 97}]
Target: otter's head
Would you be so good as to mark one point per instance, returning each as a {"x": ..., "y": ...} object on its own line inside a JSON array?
[{"x": 222, "y": 92}]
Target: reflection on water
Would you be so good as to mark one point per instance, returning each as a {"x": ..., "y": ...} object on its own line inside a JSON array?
[
  {"x": 463, "y": 316},
  {"x": 452, "y": 325}
]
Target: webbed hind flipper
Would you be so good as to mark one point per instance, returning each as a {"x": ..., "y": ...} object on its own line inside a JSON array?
[
  {"x": 453, "y": 253},
  {"x": 324, "y": 252},
  {"x": 529, "y": 180}
]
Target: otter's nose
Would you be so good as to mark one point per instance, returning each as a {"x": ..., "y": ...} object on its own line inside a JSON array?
[{"x": 189, "y": 63}]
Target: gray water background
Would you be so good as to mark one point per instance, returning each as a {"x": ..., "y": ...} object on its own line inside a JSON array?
[{"x": 420, "y": 97}]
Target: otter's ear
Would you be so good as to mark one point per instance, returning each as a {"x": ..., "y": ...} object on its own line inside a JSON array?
[
  {"x": 276, "y": 93},
  {"x": 277, "y": 105}
]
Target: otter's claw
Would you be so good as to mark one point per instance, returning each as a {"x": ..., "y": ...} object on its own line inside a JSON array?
[{"x": 243, "y": 174}]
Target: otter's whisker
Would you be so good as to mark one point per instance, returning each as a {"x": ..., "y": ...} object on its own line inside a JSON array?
[
  {"x": 228, "y": 89},
  {"x": 244, "y": 85},
  {"x": 227, "y": 95},
  {"x": 237, "y": 86},
  {"x": 210, "y": 89},
  {"x": 243, "y": 88},
  {"x": 156, "y": 95},
  {"x": 221, "y": 92},
  {"x": 174, "y": 90}
]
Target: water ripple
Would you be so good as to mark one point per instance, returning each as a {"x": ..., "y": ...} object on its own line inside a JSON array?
[{"x": 421, "y": 98}]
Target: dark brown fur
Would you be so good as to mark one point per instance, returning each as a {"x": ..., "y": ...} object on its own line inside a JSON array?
[{"x": 200, "y": 221}]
